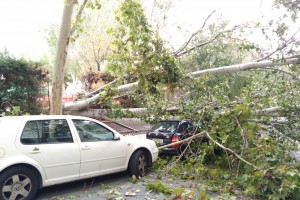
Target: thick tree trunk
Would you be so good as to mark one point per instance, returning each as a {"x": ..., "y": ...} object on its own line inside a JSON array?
[
  {"x": 83, "y": 104},
  {"x": 94, "y": 113},
  {"x": 60, "y": 60},
  {"x": 80, "y": 105}
]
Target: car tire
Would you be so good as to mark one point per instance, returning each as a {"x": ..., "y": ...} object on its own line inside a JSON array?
[
  {"x": 138, "y": 164},
  {"x": 18, "y": 183}
]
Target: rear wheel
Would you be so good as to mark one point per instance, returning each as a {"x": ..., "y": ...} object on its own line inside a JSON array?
[
  {"x": 138, "y": 164},
  {"x": 18, "y": 183}
]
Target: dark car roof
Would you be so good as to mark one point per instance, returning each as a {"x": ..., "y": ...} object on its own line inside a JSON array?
[{"x": 174, "y": 120}]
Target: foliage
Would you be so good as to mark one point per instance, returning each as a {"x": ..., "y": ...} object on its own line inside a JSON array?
[
  {"x": 93, "y": 45},
  {"x": 227, "y": 48},
  {"x": 292, "y": 6},
  {"x": 230, "y": 108},
  {"x": 22, "y": 83},
  {"x": 139, "y": 54},
  {"x": 93, "y": 78},
  {"x": 256, "y": 136},
  {"x": 159, "y": 187}
]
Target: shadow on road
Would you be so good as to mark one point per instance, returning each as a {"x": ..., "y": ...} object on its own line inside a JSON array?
[{"x": 82, "y": 187}]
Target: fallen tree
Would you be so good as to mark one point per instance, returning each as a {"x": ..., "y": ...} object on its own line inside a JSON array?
[
  {"x": 84, "y": 104},
  {"x": 206, "y": 134}
]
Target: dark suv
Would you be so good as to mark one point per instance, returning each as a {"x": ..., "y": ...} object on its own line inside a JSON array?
[{"x": 171, "y": 131}]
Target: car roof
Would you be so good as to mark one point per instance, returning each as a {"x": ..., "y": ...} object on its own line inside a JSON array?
[{"x": 173, "y": 120}]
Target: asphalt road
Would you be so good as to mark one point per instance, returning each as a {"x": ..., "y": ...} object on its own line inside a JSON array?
[
  {"x": 103, "y": 187},
  {"x": 93, "y": 188},
  {"x": 115, "y": 187}
]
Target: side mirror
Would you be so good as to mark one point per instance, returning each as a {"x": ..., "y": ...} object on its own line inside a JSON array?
[{"x": 116, "y": 137}]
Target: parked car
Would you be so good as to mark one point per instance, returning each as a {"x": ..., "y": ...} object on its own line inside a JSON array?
[
  {"x": 39, "y": 151},
  {"x": 171, "y": 131}
]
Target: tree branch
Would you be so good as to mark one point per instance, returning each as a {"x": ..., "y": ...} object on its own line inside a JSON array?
[
  {"x": 100, "y": 89},
  {"x": 193, "y": 35},
  {"x": 184, "y": 141},
  {"x": 279, "y": 48},
  {"x": 197, "y": 46},
  {"x": 78, "y": 16},
  {"x": 231, "y": 151},
  {"x": 244, "y": 67},
  {"x": 245, "y": 141}
]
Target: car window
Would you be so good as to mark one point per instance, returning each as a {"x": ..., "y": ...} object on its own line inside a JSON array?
[
  {"x": 191, "y": 128},
  {"x": 186, "y": 127},
  {"x": 90, "y": 131},
  {"x": 46, "y": 132},
  {"x": 165, "y": 126},
  {"x": 183, "y": 127}
]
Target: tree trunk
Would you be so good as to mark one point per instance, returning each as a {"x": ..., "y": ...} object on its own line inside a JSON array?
[
  {"x": 94, "y": 113},
  {"x": 83, "y": 104},
  {"x": 60, "y": 60}
]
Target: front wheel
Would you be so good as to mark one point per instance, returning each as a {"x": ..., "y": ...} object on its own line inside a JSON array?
[
  {"x": 138, "y": 164},
  {"x": 18, "y": 183}
]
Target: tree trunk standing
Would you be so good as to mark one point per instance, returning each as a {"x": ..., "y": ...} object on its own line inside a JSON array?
[{"x": 56, "y": 106}]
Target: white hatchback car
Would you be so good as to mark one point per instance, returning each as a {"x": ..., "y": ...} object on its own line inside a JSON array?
[{"x": 39, "y": 151}]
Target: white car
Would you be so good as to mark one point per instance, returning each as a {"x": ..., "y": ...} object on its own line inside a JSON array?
[{"x": 39, "y": 151}]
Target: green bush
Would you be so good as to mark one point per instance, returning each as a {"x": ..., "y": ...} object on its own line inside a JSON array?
[{"x": 21, "y": 84}]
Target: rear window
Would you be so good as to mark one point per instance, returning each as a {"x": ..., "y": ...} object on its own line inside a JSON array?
[
  {"x": 165, "y": 126},
  {"x": 46, "y": 131}
]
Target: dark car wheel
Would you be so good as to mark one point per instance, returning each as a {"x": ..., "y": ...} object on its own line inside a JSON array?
[
  {"x": 18, "y": 183},
  {"x": 138, "y": 164}
]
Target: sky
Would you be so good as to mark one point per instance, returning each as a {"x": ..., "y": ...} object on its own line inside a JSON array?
[
  {"x": 23, "y": 22},
  {"x": 191, "y": 14}
]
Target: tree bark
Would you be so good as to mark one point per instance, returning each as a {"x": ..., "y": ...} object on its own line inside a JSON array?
[{"x": 56, "y": 106}]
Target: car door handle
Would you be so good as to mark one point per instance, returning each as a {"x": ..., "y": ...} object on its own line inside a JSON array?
[
  {"x": 35, "y": 150},
  {"x": 86, "y": 148}
]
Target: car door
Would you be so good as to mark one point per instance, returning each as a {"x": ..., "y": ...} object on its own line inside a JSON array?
[
  {"x": 50, "y": 143},
  {"x": 101, "y": 151}
]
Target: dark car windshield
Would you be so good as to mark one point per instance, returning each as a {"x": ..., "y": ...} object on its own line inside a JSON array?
[{"x": 165, "y": 126}]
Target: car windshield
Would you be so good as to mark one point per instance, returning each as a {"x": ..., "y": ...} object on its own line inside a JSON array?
[{"x": 165, "y": 126}]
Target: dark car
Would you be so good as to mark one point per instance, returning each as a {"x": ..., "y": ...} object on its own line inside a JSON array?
[{"x": 171, "y": 131}]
